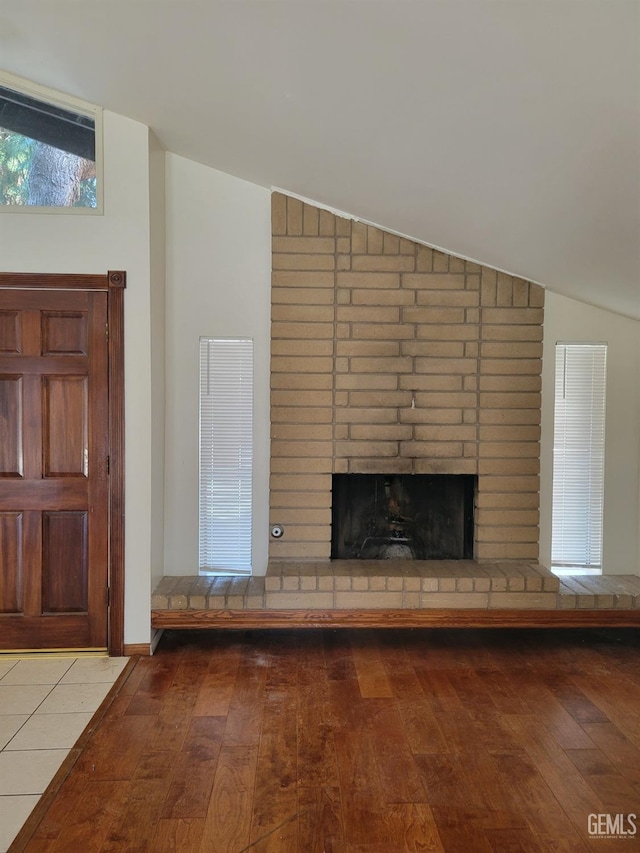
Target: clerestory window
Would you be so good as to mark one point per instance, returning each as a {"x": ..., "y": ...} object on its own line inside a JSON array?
[{"x": 48, "y": 152}]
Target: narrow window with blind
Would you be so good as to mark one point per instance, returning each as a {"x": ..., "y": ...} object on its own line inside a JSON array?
[
  {"x": 226, "y": 455},
  {"x": 578, "y": 458}
]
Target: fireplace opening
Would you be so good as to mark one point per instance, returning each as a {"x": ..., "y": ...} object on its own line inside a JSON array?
[{"x": 402, "y": 516}]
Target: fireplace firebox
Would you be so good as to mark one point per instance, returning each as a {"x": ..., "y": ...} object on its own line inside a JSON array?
[{"x": 402, "y": 516}]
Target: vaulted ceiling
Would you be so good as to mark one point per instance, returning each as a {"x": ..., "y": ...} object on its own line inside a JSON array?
[{"x": 506, "y": 132}]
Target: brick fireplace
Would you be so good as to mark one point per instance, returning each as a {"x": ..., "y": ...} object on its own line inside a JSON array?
[{"x": 389, "y": 358}]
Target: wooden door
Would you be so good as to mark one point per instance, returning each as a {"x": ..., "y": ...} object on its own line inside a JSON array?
[{"x": 54, "y": 494}]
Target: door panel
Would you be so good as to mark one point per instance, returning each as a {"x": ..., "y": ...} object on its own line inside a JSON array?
[
  {"x": 11, "y": 562},
  {"x": 66, "y": 427},
  {"x": 65, "y": 562},
  {"x": 64, "y": 333},
  {"x": 9, "y": 331},
  {"x": 11, "y": 426},
  {"x": 53, "y": 469}
]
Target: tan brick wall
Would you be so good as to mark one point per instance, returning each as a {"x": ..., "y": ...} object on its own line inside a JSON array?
[{"x": 391, "y": 357}]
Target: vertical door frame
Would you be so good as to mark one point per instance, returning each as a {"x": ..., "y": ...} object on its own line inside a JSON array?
[{"x": 113, "y": 283}]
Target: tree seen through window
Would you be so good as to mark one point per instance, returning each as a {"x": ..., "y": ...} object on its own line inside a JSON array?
[{"x": 47, "y": 153}]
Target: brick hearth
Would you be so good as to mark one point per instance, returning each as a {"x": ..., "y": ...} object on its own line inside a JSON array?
[
  {"x": 348, "y": 584},
  {"x": 396, "y": 593}
]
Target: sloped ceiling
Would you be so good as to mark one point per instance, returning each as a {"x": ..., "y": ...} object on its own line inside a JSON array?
[{"x": 506, "y": 132}]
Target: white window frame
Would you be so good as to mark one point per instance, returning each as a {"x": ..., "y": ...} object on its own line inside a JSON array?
[
  {"x": 65, "y": 102},
  {"x": 579, "y": 458},
  {"x": 226, "y": 456}
]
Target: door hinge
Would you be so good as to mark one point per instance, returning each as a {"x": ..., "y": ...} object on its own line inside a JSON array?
[
  {"x": 108, "y": 596},
  {"x": 108, "y": 465},
  {"x": 106, "y": 331}
]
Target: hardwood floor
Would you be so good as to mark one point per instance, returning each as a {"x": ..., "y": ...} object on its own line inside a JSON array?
[{"x": 365, "y": 741}]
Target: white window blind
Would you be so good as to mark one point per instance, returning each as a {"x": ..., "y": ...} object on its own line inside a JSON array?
[
  {"x": 226, "y": 455},
  {"x": 578, "y": 456}
]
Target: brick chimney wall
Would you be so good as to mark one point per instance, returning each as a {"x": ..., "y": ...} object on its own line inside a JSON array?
[{"x": 390, "y": 357}]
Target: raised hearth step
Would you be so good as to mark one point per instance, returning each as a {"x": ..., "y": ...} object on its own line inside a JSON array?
[
  {"x": 357, "y": 584},
  {"x": 405, "y": 585}
]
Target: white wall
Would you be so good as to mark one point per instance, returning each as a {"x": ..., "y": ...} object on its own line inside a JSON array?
[
  {"x": 569, "y": 320},
  {"x": 157, "y": 229},
  {"x": 118, "y": 239},
  {"x": 218, "y": 283}
]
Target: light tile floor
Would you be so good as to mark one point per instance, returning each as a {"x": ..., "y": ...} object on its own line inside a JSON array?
[{"x": 45, "y": 704}]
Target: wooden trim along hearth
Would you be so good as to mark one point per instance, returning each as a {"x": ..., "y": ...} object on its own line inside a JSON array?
[{"x": 431, "y": 618}]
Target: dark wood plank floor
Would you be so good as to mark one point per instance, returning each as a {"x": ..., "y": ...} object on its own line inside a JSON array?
[{"x": 322, "y": 741}]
